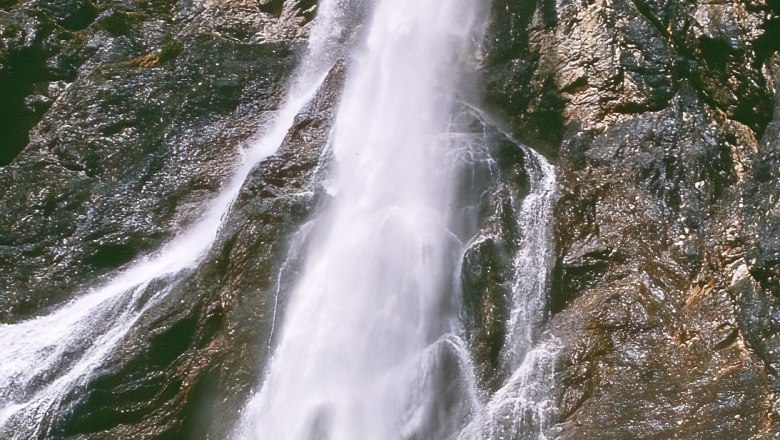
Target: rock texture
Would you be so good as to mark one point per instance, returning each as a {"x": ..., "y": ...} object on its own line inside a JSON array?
[
  {"x": 662, "y": 116},
  {"x": 135, "y": 111},
  {"x": 188, "y": 366}
]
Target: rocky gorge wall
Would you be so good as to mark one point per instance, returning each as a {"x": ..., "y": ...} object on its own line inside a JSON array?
[
  {"x": 120, "y": 118},
  {"x": 663, "y": 117}
]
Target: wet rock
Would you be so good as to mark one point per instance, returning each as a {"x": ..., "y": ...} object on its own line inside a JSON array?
[
  {"x": 120, "y": 118},
  {"x": 761, "y": 214},
  {"x": 487, "y": 268},
  {"x": 132, "y": 130},
  {"x": 188, "y": 366},
  {"x": 128, "y": 117},
  {"x": 659, "y": 115}
]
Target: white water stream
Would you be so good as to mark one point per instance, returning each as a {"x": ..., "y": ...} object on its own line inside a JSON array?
[
  {"x": 524, "y": 406},
  {"x": 370, "y": 345},
  {"x": 373, "y": 310}
]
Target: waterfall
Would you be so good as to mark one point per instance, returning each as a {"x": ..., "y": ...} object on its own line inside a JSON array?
[
  {"x": 371, "y": 346},
  {"x": 533, "y": 263},
  {"x": 370, "y": 340},
  {"x": 46, "y": 357},
  {"x": 524, "y": 406}
]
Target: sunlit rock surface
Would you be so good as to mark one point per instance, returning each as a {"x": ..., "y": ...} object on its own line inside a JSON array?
[{"x": 661, "y": 117}]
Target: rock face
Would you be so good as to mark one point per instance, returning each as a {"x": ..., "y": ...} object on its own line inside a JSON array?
[
  {"x": 120, "y": 119},
  {"x": 137, "y": 110},
  {"x": 663, "y": 118},
  {"x": 197, "y": 359}
]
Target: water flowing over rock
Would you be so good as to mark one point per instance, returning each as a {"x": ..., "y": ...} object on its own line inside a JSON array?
[
  {"x": 342, "y": 219},
  {"x": 369, "y": 326},
  {"x": 133, "y": 355}
]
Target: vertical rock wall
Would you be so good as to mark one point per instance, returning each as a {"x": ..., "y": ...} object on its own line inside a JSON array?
[
  {"x": 662, "y": 116},
  {"x": 129, "y": 114},
  {"x": 120, "y": 117},
  {"x": 118, "y": 121}
]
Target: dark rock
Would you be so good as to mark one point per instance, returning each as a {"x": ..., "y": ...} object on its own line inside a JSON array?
[{"x": 496, "y": 194}]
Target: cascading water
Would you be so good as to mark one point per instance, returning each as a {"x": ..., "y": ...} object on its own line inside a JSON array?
[
  {"x": 371, "y": 344},
  {"x": 372, "y": 313},
  {"x": 524, "y": 407}
]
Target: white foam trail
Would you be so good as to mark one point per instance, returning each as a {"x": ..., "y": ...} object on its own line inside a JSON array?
[
  {"x": 362, "y": 348},
  {"x": 534, "y": 261},
  {"x": 44, "y": 358},
  {"x": 524, "y": 407}
]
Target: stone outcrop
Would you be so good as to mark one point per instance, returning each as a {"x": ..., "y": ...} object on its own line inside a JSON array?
[
  {"x": 137, "y": 111},
  {"x": 188, "y": 366}
]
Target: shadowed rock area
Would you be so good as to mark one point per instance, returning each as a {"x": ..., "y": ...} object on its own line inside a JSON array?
[{"x": 137, "y": 117}]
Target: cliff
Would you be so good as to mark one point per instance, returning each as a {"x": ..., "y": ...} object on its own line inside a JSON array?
[{"x": 121, "y": 118}]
